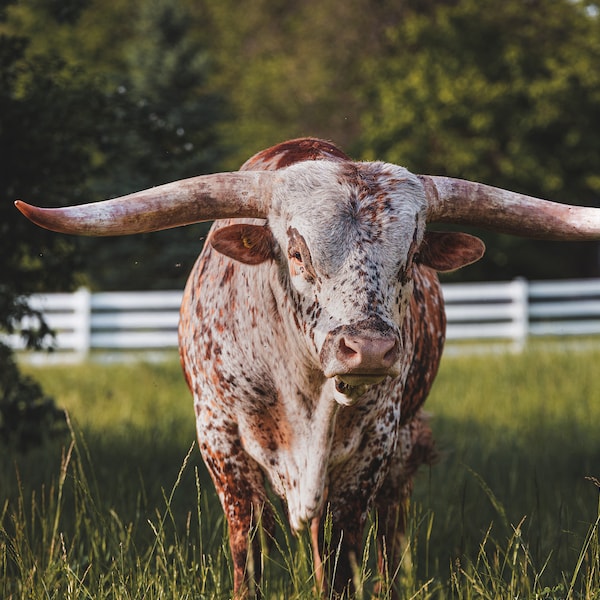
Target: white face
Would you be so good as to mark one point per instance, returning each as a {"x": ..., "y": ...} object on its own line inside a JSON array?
[{"x": 349, "y": 234}]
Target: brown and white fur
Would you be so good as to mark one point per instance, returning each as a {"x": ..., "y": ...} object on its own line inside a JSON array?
[{"x": 312, "y": 326}]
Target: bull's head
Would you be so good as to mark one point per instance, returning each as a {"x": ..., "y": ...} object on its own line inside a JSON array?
[{"x": 344, "y": 237}]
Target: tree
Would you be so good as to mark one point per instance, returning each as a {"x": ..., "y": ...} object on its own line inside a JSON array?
[
  {"x": 48, "y": 143},
  {"x": 292, "y": 69},
  {"x": 156, "y": 121},
  {"x": 506, "y": 94},
  {"x": 73, "y": 134},
  {"x": 165, "y": 129}
]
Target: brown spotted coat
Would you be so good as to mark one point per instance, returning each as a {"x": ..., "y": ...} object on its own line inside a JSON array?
[{"x": 252, "y": 351}]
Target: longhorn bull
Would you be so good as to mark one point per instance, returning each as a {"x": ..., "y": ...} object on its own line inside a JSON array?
[{"x": 312, "y": 325}]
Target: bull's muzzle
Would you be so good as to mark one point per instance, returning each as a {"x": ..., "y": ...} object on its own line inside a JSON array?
[{"x": 361, "y": 354}]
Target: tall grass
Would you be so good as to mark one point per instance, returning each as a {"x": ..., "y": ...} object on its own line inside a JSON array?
[{"x": 123, "y": 508}]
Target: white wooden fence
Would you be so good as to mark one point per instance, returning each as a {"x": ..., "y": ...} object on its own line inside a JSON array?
[
  {"x": 107, "y": 323},
  {"x": 496, "y": 315},
  {"x": 513, "y": 312}
]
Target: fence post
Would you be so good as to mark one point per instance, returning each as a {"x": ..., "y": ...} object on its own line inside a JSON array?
[
  {"x": 521, "y": 312},
  {"x": 82, "y": 319}
]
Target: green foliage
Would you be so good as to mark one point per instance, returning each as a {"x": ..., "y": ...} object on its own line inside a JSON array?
[
  {"x": 127, "y": 511},
  {"x": 501, "y": 93},
  {"x": 293, "y": 69},
  {"x": 165, "y": 130},
  {"x": 49, "y": 144},
  {"x": 28, "y": 418},
  {"x": 76, "y": 133},
  {"x": 166, "y": 115},
  {"x": 150, "y": 119}
]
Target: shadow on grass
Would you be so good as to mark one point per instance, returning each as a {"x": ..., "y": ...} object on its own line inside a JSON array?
[
  {"x": 488, "y": 476},
  {"x": 131, "y": 475}
]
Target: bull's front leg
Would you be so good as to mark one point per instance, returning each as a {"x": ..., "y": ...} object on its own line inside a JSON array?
[
  {"x": 240, "y": 485},
  {"x": 415, "y": 447},
  {"x": 350, "y": 503},
  {"x": 341, "y": 552},
  {"x": 248, "y": 517}
]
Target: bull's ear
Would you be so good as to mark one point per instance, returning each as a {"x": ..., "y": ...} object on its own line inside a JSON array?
[
  {"x": 447, "y": 251},
  {"x": 250, "y": 244}
]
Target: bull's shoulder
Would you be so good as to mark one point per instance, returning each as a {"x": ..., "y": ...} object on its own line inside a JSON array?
[{"x": 291, "y": 152}]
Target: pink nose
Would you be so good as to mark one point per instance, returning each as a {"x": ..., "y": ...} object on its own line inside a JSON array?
[{"x": 366, "y": 355}]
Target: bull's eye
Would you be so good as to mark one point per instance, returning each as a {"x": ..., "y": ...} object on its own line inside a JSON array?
[
  {"x": 297, "y": 266},
  {"x": 299, "y": 257},
  {"x": 296, "y": 261}
]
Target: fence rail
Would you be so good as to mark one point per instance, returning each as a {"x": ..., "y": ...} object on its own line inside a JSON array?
[{"x": 506, "y": 313}]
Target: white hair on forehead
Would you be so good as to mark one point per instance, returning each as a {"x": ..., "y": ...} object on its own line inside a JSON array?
[{"x": 335, "y": 205}]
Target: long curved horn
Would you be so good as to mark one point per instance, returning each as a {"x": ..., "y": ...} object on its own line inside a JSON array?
[
  {"x": 203, "y": 198},
  {"x": 458, "y": 201}
]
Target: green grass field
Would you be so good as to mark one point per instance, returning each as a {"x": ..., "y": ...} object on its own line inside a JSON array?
[{"x": 123, "y": 508}]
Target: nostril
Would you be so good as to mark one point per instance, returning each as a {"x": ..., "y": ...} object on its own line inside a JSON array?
[{"x": 346, "y": 350}]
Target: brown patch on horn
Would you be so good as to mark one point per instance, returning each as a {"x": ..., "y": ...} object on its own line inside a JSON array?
[
  {"x": 204, "y": 198},
  {"x": 465, "y": 202}
]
